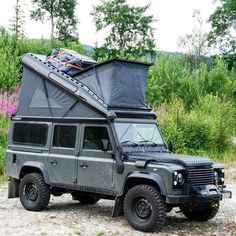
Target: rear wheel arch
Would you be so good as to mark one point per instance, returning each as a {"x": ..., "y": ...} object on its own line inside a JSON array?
[{"x": 34, "y": 167}]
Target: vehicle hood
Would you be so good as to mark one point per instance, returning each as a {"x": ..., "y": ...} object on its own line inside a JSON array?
[{"x": 157, "y": 157}]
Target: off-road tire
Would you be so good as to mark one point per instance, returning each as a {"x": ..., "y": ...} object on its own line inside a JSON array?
[
  {"x": 204, "y": 214},
  {"x": 86, "y": 200},
  {"x": 145, "y": 208},
  {"x": 34, "y": 193}
]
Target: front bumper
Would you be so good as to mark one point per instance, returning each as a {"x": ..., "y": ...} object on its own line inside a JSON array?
[
  {"x": 201, "y": 194},
  {"x": 226, "y": 194}
]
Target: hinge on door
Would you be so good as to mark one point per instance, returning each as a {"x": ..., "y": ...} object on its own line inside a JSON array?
[{"x": 75, "y": 180}]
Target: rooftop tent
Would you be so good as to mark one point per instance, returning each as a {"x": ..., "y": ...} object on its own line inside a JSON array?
[
  {"x": 47, "y": 92},
  {"x": 120, "y": 83}
]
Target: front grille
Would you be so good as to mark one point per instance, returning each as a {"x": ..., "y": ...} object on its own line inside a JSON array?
[{"x": 202, "y": 175}]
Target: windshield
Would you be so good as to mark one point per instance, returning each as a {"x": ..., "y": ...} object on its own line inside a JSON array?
[{"x": 138, "y": 133}]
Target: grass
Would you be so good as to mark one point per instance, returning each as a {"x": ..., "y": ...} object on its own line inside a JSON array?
[
  {"x": 100, "y": 234},
  {"x": 3, "y": 179}
]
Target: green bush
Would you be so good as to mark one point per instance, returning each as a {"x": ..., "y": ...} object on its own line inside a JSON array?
[
  {"x": 170, "y": 77},
  {"x": 4, "y": 125},
  {"x": 205, "y": 130},
  {"x": 2, "y": 160},
  {"x": 196, "y": 108},
  {"x": 221, "y": 114},
  {"x": 164, "y": 80},
  {"x": 9, "y": 63}
]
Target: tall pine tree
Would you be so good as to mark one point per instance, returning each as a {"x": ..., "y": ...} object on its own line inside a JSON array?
[{"x": 18, "y": 21}]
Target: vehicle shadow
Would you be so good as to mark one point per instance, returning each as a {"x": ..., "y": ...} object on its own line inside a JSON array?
[
  {"x": 100, "y": 208},
  {"x": 104, "y": 209}
]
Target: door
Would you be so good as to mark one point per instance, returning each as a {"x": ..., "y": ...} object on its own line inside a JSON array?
[
  {"x": 62, "y": 163},
  {"x": 95, "y": 167}
]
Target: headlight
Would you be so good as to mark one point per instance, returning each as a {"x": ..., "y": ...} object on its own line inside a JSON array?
[
  {"x": 219, "y": 176},
  {"x": 216, "y": 175},
  {"x": 178, "y": 179}
]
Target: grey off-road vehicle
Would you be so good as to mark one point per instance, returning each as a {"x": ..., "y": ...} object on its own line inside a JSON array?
[{"x": 93, "y": 136}]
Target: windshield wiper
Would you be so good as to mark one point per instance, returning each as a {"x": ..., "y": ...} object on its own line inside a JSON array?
[
  {"x": 148, "y": 141},
  {"x": 130, "y": 142}
]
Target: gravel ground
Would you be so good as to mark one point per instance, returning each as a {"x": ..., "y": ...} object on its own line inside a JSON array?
[{"x": 66, "y": 217}]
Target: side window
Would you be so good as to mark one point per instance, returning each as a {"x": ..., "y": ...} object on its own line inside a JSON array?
[
  {"x": 64, "y": 136},
  {"x": 93, "y": 137},
  {"x": 30, "y": 134}
]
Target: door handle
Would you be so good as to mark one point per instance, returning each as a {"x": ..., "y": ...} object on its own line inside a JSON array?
[
  {"x": 54, "y": 162},
  {"x": 83, "y": 165}
]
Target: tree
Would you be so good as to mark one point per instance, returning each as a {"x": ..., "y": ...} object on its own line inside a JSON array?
[
  {"x": 9, "y": 62},
  {"x": 18, "y": 21},
  {"x": 61, "y": 15},
  {"x": 222, "y": 35},
  {"x": 196, "y": 42},
  {"x": 130, "y": 33}
]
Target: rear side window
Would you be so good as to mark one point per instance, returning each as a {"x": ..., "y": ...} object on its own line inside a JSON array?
[
  {"x": 30, "y": 134},
  {"x": 64, "y": 136}
]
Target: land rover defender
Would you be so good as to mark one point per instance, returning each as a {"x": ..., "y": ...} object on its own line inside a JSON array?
[{"x": 92, "y": 136}]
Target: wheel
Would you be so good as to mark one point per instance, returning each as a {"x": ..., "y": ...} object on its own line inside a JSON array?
[
  {"x": 85, "y": 200},
  {"x": 202, "y": 214},
  {"x": 145, "y": 208},
  {"x": 34, "y": 192}
]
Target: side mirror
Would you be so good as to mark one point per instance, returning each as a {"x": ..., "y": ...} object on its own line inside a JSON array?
[
  {"x": 105, "y": 145},
  {"x": 171, "y": 146}
]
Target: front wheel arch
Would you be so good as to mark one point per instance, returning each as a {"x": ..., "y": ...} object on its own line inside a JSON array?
[{"x": 135, "y": 179}]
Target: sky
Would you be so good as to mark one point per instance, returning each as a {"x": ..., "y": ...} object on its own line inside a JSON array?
[{"x": 173, "y": 19}]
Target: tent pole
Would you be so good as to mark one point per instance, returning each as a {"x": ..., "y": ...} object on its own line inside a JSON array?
[
  {"x": 46, "y": 92},
  {"x": 99, "y": 84},
  {"x": 70, "y": 109}
]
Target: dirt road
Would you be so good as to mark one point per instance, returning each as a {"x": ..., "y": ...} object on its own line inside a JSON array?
[{"x": 66, "y": 217}]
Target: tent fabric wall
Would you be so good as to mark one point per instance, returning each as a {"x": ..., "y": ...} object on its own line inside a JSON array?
[
  {"x": 40, "y": 97},
  {"x": 119, "y": 83},
  {"x": 115, "y": 84}
]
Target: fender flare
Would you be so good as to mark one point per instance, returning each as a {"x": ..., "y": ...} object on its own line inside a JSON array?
[
  {"x": 150, "y": 176},
  {"x": 118, "y": 206},
  {"x": 39, "y": 165}
]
